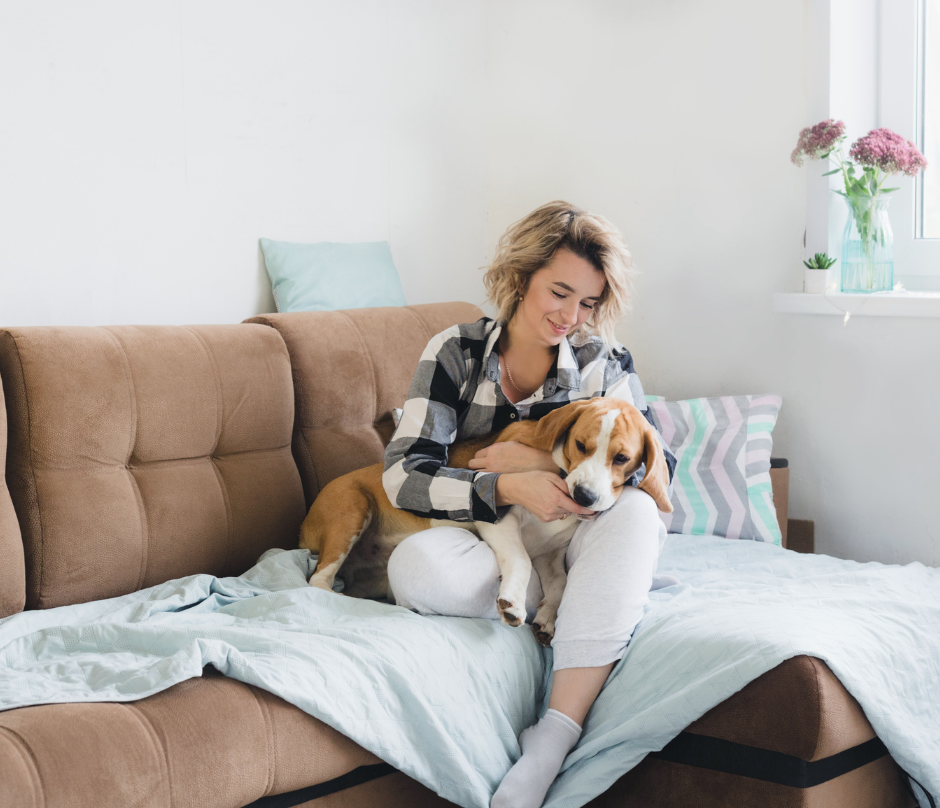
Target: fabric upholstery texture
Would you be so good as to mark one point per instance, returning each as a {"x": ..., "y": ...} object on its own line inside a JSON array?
[
  {"x": 812, "y": 717},
  {"x": 138, "y": 454},
  {"x": 12, "y": 568},
  {"x": 208, "y": 742},
  {"x": 392, "y": 791},
  {"x": 812, "y": 714},
  {"x": 350, "y": 368},
  {"x": 661, "y": 784}
]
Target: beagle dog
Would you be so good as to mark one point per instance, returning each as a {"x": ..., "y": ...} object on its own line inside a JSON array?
[{"x": 598, "y": 443}]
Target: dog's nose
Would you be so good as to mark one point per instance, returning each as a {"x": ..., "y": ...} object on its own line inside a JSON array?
[{"x": 584, "y": 496}]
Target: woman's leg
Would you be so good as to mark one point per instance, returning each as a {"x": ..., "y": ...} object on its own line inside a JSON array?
[
  {"x": 448, "y": 570},
  {"x": 611, "y": 563}
]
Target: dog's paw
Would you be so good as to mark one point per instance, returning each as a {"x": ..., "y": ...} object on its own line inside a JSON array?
[
  {"x": 544, "y": 624},
  {"x": 321, "y": 583},
  {"x": 544, "y": 634},
  {"x": 510, "y": 612}
]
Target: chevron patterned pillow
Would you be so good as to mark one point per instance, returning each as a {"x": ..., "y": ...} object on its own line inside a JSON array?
[{"x": 721, "y": 485}]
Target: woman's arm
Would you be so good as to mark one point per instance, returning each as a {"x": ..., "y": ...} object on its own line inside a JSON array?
[
  {"x": 416, "y": 476},
  {"x": 511, "y": 456}
]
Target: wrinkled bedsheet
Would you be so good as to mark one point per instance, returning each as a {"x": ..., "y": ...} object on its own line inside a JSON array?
[{"x": 443, "y": 699}]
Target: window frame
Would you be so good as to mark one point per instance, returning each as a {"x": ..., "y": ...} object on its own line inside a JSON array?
[{"x": 898, "y": 109}]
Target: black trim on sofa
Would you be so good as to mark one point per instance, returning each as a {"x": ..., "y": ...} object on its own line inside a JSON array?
[
  {"x": 701, "y": 751},
  {"x": 720, "y": 755},
  {"x": 356, "y": 777}
]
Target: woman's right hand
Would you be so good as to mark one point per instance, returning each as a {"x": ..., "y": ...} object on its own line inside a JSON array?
[{"x": 543, "y": 493}]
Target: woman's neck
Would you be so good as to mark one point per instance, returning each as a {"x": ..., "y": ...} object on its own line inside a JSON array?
[
  {"x": 528, "y": 348},
  {"x": 527, "y": 359}
]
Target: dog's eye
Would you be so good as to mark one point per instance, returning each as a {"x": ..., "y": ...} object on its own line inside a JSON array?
[
  {"x": 620, "y": 459},
  {"x": 580, "y": 446}
]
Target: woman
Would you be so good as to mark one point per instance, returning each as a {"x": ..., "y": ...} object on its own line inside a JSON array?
[{"x": 560, "y": 281}]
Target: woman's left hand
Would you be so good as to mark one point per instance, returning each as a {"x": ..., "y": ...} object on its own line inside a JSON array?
[{"x": 510, "y": 457}]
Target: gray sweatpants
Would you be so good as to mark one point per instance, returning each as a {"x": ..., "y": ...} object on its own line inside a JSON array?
[{"x": 611, "y": 563}]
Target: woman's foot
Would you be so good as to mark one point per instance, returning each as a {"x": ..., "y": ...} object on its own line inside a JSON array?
[{"x": 544, "y": 748}]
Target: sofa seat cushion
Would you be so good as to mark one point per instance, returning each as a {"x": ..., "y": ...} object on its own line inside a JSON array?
[
  {"x": 208, "y": 742},
  {"x": 139, "y": 454}
]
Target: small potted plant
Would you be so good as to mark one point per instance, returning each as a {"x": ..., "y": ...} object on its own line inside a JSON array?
[{"x": 814, "y": 276}]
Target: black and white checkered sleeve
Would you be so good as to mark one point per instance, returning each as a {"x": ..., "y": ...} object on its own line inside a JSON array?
[
  {"x": 622, "y": 382},
  {"x": 416, "y": 476}
]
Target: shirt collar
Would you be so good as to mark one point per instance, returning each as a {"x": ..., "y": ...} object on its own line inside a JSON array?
[
  {"x": 490, "y": 357},
  {"x": 564, "y": 372},
  {"x": 569, "y": 373}
]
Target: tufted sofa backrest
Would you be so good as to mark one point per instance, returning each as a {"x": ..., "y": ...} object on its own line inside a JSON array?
[
  {"x": 350, "y": 369},
  {"x": 138, "y": 454}
]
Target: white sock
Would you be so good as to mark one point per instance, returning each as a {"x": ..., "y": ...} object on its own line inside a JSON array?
[{"x": 544, "y": 748}]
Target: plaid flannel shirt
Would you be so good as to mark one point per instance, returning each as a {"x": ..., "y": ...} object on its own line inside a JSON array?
[{"x": 456, "y": 395}]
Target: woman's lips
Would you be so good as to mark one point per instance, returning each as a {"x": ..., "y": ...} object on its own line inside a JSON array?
[{"x": 560, "y": 329}]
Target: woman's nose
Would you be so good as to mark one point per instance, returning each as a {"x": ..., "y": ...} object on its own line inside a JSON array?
[{"x": 571, "y": 314}]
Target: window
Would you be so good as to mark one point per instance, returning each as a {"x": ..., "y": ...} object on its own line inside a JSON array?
[
  {"x": 927, "y": 198},
  {"x": 909, "y": 103}
]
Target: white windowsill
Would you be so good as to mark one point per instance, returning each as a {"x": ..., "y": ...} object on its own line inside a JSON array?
[{"x": 877, "y": 304}]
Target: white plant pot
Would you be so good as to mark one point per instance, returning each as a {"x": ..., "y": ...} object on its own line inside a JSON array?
[{"x": 814, "y": 280}]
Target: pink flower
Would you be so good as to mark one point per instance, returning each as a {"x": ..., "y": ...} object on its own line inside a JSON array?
[
  {"x": 882, "y": 148},
  {"x": 816, "y": 140}
]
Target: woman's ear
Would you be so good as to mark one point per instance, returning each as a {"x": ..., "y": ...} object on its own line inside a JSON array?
[
  {"x": 554, "y": 425},
  {"x": 656, "y": 480}
]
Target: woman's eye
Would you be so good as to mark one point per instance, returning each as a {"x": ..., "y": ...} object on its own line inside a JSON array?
[
  {"x": 580, "y": 446},
  {"x": 587, "y": 306},
  {"x": 620, "y": 459},
  {"x": 558, "y": 295}
]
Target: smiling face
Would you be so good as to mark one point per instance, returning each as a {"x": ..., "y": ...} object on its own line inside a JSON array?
[{"x": 559, "y": 297}]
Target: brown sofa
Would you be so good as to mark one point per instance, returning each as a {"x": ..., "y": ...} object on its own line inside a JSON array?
[{"x": 135, "y": 455}]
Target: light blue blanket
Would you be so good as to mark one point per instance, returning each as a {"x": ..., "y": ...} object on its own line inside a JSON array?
[{"x": 443, "y": 699}]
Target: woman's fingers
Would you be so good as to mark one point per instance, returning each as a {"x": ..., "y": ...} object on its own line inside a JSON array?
[{"x": 566, "y": 503}]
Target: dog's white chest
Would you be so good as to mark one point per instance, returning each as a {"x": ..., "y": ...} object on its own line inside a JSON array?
[{"x": 540, "y": 537}]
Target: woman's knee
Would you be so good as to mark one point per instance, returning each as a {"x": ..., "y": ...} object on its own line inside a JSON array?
[
  {"x": 632, "y": 500},
  {"x": 426, "y": 553},
  {"x": 435, "y": 570},
  {"x": 631, "y": 525}
]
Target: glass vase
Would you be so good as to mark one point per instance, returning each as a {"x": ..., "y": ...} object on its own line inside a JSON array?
[{"x": 867, "y": 246}]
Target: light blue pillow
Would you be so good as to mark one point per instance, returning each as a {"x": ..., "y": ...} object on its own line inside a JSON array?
[{"x": 330, "y": 276}]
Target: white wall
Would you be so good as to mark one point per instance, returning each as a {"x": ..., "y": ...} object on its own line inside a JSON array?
[
  {"x": 145, "y": 147},
  {"x": 676, "y": 121}
]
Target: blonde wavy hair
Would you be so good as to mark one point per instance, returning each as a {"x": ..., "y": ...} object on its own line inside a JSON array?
[{"x": 529, "y": 244}]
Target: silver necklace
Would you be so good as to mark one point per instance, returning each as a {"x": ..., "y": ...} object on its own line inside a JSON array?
[{"x": 513, "y": 383}]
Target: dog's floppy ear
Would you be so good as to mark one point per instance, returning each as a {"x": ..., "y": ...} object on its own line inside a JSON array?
[
  {"x": 656, "y": 480},
  {"x": 556, "y": 423}
]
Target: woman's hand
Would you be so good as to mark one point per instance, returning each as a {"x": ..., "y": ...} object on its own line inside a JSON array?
[
  {"x": 543, "y": 493},
  {"x": 511, "y": 457}
]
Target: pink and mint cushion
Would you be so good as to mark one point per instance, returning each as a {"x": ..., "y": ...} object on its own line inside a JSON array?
[{"x": 722, "y": 484}]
